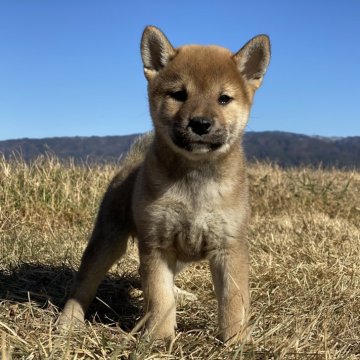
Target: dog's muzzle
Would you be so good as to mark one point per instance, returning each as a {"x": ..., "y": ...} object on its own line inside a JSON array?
[{"x": 199, "y": 135}]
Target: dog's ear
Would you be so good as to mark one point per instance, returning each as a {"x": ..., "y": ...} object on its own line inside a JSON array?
[
  {"x": 156, "y": 51},
  {"x": 253, "y": 59}
]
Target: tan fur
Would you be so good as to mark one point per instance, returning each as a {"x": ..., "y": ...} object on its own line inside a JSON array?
[{"x": 182, "y": 191}]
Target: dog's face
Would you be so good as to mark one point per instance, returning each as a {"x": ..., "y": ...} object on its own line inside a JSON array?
[{"x": 200, "y": 96}]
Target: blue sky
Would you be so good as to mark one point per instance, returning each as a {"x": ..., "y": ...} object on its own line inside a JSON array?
[{"x": 73, "y": 67}]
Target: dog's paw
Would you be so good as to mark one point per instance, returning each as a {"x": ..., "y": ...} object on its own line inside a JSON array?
[
  {"x": 235, "y": 335},
  {"x": 183, "y": 296},
  {"x": 65, "y": 323},
  {"x": 72, "y": 316},
  {"x": 158, "y": 334}
]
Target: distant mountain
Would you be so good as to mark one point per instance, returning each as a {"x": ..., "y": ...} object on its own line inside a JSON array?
[
  {"x": 93, "y": 148},
  {"x": 286, "y": 149},
  {"x": 289, "y": 149}
]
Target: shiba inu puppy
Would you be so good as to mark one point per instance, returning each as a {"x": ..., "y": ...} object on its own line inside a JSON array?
[{"x": 182, "y": 190}]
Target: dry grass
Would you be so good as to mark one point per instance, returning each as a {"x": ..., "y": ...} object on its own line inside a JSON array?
[{"x": 305, "y": 277}]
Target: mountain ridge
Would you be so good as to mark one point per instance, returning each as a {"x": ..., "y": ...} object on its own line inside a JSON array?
[{"x": 285, "y": 149}]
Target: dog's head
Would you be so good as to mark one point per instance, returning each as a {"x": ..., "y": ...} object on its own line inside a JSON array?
[{"x": 200, "y": 96}]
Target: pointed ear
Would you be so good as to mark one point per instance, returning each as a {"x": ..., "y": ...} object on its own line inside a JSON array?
[
  {"x": 253, "y": 59},
  {"x": 156, "y": 51}
]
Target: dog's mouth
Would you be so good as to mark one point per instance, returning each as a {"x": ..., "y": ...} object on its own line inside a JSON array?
[{"x": 196, "y": 143}]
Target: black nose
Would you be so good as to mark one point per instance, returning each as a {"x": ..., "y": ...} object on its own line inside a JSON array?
[{"x": 200, "y": 125}]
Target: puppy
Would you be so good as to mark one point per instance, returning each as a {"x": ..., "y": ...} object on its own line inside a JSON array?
[{"x": 182, "y": 190}]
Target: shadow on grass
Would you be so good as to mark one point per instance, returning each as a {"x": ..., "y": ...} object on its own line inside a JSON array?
[{"x": 43, "y": 283}]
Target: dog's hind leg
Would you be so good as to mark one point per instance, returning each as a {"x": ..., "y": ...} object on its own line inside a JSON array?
[{"x": 182, "y": 296}]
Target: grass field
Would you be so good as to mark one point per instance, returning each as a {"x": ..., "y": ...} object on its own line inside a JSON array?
[{"x": 305, "y": 274}]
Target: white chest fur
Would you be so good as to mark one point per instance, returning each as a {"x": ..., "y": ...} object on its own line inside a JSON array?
[{"x": 191, "y": 218}]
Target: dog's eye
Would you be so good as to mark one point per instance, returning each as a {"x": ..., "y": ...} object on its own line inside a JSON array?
[
  {"x": 180, "y": 95},
  {"x": 224, "y": 99}
]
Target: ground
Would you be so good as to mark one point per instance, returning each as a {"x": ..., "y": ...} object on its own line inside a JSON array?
[{"x": 305, "y": 278}]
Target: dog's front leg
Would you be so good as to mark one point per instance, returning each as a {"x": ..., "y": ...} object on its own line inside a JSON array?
[
  {"x": 104, "y": 248},
  {"x": 229, "y": 270},
  {"x": 157, "y": 269}
]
